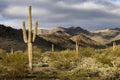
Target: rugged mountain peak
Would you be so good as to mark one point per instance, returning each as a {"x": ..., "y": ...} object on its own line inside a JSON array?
[
  {"x": 59, "y": 28},
  {"x": 77, "y": 30},
  {"x": 69, "y": 31}
]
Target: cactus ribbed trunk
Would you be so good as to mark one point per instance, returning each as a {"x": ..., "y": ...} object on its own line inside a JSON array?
[
  {"x": 52, "y": 47},
  {"x": 31, "y": 36},
  {"x": 30, "y": 50},
  {"x": 114, "y": 46},
  {"x": 77, "y": 48}
]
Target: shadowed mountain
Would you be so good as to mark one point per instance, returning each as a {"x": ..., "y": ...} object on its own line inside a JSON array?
[
  {"x": 12, "y": 39},
  {"x": 60, "y": 40}
]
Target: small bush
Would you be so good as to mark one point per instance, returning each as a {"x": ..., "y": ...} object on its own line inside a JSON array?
[
  {"x": 15, "y": 65},
  {"x": 86, "y": 52}
]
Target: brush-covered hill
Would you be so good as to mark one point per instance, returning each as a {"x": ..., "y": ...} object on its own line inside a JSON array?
[
  {"x": 11, "y": 38},
  {"x": 86, "y": 41},
  {"x": 69, "y": 41},
  {"x": 61, "y": 40}
]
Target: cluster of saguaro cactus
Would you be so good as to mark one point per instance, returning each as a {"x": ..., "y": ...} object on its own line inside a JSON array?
[
  {"x": 31, "y": 36},
  {"x": 114, "y": 46}
]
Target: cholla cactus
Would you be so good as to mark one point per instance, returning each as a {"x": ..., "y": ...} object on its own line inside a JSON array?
[
  {"x": 31, "y": 36},
  {"x": 114, "y": 46}
]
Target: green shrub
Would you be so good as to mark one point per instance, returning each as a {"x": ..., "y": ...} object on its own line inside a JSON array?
[
  {"x": 2, "y": 51},
  {"x": 104, "y": 59},
  {"x": 64, "y": 60},
  {"x": 15, "y": 65},
  {"x": 87, "y": 52}
]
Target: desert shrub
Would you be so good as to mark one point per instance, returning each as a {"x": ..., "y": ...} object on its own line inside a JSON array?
[
  {"x": 116, "y": 52},
  {"x": 109, "y": 73},
  {"x": 15, "y": 65},
  {"x": 64, "y": 60},
  {"x": 87, "y": 68},
  {"x": 116, "y": 61},
  {"x": 103, "y": 58},
  {"x": 2, "y": 51},
  {"x": 91, "y": 67},
  {"x": 87, "y": 52}
]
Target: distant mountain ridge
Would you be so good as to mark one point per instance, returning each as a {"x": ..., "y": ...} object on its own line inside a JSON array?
[
  {"x": 106, "y": 35},
  {"x": 66, "y": 31}
]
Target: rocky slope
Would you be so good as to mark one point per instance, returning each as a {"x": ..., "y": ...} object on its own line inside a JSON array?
[{"x": 12, "y": 39}]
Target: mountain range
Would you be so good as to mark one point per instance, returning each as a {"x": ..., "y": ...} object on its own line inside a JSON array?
[
  {"x": 101, "y": 36},
  {"x": 62, "y": 38}
]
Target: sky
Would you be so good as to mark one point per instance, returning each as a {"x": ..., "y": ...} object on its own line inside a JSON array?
[{"x": 88, "y": 14}]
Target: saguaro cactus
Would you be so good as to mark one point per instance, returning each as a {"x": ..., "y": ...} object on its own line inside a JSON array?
[
  {"x": 77, "y": 47},
  {"x": 114, "y": 46},
  {"x": 31, "y": 36},
  {"x": 12, "y": 52},
  {"x": 52, "y": 47}
]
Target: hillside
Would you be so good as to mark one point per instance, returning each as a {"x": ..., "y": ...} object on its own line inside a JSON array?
[
  {"x": 86, "y": 41},
  {"x": 106, "y": 35},
  {"x": 60, "y": 40},
  {"x": 69, "y": 41},
  {"x": 12, "y": 39}
]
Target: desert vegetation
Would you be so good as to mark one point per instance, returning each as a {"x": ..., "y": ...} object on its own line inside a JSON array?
[{"x": 87, "y": 64}]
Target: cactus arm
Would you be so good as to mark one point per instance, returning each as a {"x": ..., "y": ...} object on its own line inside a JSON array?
[
  {"x": 29, "y": 25},
  {"x": 35, "y": 31},
  {"x": 24, "y": 32}
]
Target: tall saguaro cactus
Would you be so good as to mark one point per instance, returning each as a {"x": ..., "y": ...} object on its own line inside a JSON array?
[{"x": 31, "y": 36}]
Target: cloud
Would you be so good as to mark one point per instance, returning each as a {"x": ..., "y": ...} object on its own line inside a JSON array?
[{"x": 90, "y": 14}]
